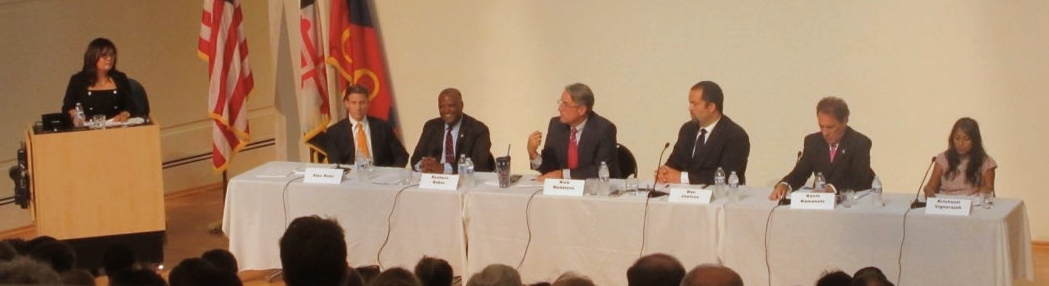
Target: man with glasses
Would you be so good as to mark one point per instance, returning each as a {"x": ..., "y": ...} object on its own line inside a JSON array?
[{"x": 578, "y": 140}]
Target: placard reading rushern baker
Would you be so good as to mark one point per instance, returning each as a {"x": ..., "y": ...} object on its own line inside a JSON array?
[{"x": 439, "y": 182}]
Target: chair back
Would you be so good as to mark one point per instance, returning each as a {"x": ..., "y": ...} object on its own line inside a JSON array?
[{"x": 627, "y": 163}]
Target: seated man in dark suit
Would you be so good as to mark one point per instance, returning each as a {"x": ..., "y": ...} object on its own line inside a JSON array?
[
  {"x": 450, "y": 135},
  {"x": 579, "y": 139},
  {"x": 708, "y": 141},
  {"x": 380, "y": 143},
  {"x": 843, "y": 155}
]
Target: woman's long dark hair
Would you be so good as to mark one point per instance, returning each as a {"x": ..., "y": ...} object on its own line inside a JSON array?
[
  {"x": 976, "y": 155},
  {"x": 95, "y": 50}
]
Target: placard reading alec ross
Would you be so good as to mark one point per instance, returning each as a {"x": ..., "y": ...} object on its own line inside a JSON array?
[{"x": 323, "y": 176}]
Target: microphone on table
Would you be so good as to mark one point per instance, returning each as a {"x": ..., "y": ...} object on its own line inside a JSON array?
[
  {"x": 652, "y": 192},
  {"x": 784, "y": 200},
  {"x": 916, "y": 204}
]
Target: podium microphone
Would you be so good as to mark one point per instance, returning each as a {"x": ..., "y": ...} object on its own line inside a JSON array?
[
  {"x": 652, "y": 192},
  {"x": 916, "y": 204}
]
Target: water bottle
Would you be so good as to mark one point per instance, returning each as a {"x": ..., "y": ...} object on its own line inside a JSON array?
[
  {"x": 876, "y": 192},
  {"x": 364, "y": 166},
  {"x": 602, "y": 172},
  {"x": 463, "y": 173},
  {"x": 820, "y": 181},
  {"x": 719, "y": 182},
  {"x": 80, "y": 117},
  {"x": 733, "y": 184},
  {"x": 470, "y": 171}
]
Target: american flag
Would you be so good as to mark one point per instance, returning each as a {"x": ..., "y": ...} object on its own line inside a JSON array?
[{"x": 223, "y": 45}]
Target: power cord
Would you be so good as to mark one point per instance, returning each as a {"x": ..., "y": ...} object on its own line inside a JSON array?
[
  {"x": 899, "y": 258},
  {"x": 644, "y": 228},
  {"x": 528, "y": 225},
  {"x": 389, "y": 225},
  {"x": 284, "y": 196},
  {"x": 768, "y": 220}
]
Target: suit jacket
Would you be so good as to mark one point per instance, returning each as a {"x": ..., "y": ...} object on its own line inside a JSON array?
[
  {"x": 728, "y": 147},
  {"x": 851, "y": 168},
  {"x": 474, "y": 140},
  {"x": 596, "y": 144},
  {"x": 76, "y": 91},
  {"x": 387, "y": 150}
]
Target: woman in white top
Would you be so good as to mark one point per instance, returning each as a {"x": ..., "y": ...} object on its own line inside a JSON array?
[{"x": 965, "y": 168}]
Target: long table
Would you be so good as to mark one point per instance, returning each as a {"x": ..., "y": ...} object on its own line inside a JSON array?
[
  {"x": 602, "y": 236},
  {"x": 262, "y": 202}
]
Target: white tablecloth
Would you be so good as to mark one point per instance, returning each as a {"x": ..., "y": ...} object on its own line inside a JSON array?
[
  {"x": 602, "y": 236},
  {"x": 426, "y": 222}
]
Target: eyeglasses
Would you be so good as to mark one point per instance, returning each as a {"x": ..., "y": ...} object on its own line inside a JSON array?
[
  {"x": 565, "y": 104},
  {"x": 107, "y": 56}
]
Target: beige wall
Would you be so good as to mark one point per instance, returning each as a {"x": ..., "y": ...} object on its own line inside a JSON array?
[{"x": 908, "y": 70}]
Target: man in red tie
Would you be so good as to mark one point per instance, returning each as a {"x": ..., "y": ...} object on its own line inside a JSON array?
[
  {"x": 452, "y": 134},
  {"x": 578, "y": 140},
  {"x": 843, "y": 155}
]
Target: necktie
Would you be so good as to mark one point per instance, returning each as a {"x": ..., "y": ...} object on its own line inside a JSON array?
[
  {"x": 573, "y": 150},
  {"x": 833, "y": 152},
  {"x": 700, "y": 141},
  {"x": 449, "y": 148},
  {"x": 362, "y": 141}
]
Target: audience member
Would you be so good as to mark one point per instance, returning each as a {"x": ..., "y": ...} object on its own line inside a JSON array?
[
  {"x": 655, "y": 270},
  {"x": 24, "y": 270},
  {"x": 870, "y": 276},
  {"x": 395, "y": 277},
  {"x": 137, "y": 277},
  {"x": 353, "y": 278},
  {"x": 313, "y": 252},
  {"x": 434, "y": 272},
  {"x": 572, "y": 279},
  {"x": 7, "y": 251},
  {"x": 18, "y": 244},
  {"x": 834, "y": 278},
  {"x": 33, "y": 243},
  {"x": 222, "y": 259},
  {"x": 368, "y": 273},
  {"x": 77, "y": 277},
  {"x": 712, "y": 275},
  {"x": 496, "y": 275},
  {"x": 56, "y": 253}
]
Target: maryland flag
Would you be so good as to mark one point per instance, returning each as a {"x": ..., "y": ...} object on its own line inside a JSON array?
[
  {"x": 223, "y": 45},
  {"x": 356, "y": 52},
  {"x": 314, "y": 107}
]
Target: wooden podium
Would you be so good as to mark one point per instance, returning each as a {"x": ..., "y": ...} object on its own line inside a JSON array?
[{"x": 93, "y": 188}]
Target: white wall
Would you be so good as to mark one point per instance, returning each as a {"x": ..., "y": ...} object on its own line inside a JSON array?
[{"x": 907, "y": 69}]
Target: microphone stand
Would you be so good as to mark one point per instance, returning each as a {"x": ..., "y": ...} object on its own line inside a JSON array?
[
  {"x": 652, "y": 190},
  {"x": 918, "y": 204}
]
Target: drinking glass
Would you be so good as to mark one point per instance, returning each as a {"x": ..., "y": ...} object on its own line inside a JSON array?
[
  {"x": 630, "y": 185},
  {"x": 98, "y": 121}
]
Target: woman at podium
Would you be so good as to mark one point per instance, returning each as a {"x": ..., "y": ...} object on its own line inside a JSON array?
[
  {"x": 965, "y": 168},
  {"x": 99, "y": 87}
]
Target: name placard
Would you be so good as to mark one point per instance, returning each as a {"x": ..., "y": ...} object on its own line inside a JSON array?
[
  {"x": 943, "y": 206},
  {"x": 692, "y": 196},
  {"x": 322, "y": 176},
  {"x": 439, "y": 182},
  {"x": 560, "y": 187},
  {"x": 812, "y": 201}
]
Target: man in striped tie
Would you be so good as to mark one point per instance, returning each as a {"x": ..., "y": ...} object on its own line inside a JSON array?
[
  {"x": 579, "y": 139},
  {"x": 362, "y": 135},
  {"x": 452, "y": 134}
]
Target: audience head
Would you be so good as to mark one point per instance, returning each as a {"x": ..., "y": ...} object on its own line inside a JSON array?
[
  {"x": 395, "y": 277},
  {"x": 577, "y": 102},
  {"x": 313, "y": 252},
  {"x": 965, "y": 141},
  {"x": 7, "y": 251},
  {"x": 77, "y": 277},
  {"x": 832, "y": 114},
  {"x": 192, "y": 271},
  {"x": 222, "y": 259},
  {"x": 56, "y": 253},
  {"x": 834, "y": 278},
  {"x": 434, "y": 272},
  {"x": 20, "y": 245},
  {"x": 118, "y": 257},
  {"x": 496, "y": 275},
  {"x": 870, "y": 276},
  {"x": 25, "y": 270},
  {"x": 353, "y": 278},
  {"x": 655, "y": 270},
  {"x": 138, "y": 277},
  {"x": 712, "y": 275},
  {"x": 368, "y": 273},
  {"x": 572, "y": 279},
  {"x": 450, "y": 105},
  {"x": 356, "y": 99}
]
